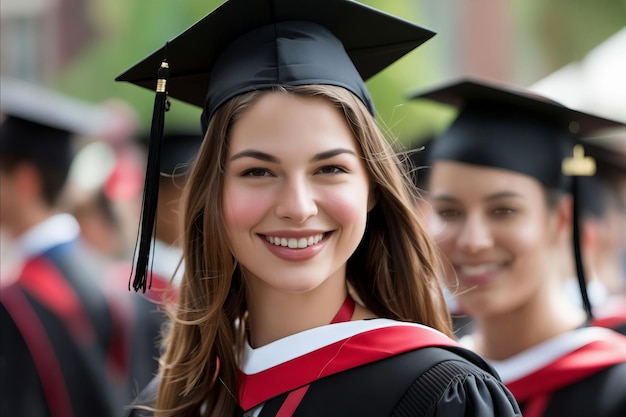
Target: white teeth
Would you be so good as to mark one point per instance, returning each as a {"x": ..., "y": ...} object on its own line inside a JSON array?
[
  {"x": 478, "y": 269},
  {"x": 294, "y": 243}
]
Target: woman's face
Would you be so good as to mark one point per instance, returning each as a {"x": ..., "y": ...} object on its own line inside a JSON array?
[
  {"x": 295, "y": 193},
  {"x": 496, "y": 233}
]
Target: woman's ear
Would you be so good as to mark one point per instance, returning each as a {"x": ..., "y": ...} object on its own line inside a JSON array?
[{"x": 563, "y": 213}]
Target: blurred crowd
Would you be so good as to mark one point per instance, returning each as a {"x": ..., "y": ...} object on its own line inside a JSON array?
[{"x": 74, "y": 340}]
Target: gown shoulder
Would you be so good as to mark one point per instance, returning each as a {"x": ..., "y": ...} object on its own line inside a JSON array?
[{"x": 456, "y": 387}]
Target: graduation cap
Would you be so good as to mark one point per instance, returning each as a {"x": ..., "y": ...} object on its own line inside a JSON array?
[
  {"x": 39, "y": 124},
  {"x": 246, "y": 45},
  {"x": 506, "y": 127}
]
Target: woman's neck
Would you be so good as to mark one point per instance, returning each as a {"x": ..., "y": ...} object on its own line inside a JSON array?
[
  {"x": 273, "y": 315},
  {"x": 544, "y": 317}
]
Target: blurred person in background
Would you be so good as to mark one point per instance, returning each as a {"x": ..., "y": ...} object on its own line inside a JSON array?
[
  {"x": 100, "y": 225},
  {"x": 501, "y": 204},
  {"x": 58, "y": 351},
  {"x": 604, "y": 229},
  {"x": 148, "y": 310},
  {"x": 104, "y": 185}
]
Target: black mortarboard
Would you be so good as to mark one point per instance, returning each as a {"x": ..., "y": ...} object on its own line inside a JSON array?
[
  {"x": 514, "y": 129},
  {"x": 247, "y": 45},
  {"x": 39, "y": 123}
]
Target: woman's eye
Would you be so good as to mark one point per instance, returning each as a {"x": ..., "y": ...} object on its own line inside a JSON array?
[
  {"x": 448, "y": 213},
  {"x": 256, "y": 172},
  {"x": 331, "y": 169},
  {"x": 503, "y": 211}
]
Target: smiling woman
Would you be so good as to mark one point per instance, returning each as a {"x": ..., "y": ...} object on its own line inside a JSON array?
[
  {"x": 310, "y": 286},
  {"x": 502, "y": 212}
]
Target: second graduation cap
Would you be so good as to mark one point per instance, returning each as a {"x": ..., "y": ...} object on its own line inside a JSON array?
[
  {"x": 510, "y": 128},
  {"x": 248, "y": 45},
  {"x": 39, "y": 124}
]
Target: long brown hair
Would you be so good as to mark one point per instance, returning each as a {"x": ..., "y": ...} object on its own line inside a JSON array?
[{"x": 393, "y": 271}]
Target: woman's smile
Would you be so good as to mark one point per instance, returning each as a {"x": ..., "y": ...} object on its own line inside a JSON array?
[
  {"x": 479, "y": 274},
  {"x": 296, "y": 249},
  {"x": 295, "y": 242}
]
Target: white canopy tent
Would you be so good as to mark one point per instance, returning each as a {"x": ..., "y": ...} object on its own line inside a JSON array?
[{"x": 596, "y": 84}]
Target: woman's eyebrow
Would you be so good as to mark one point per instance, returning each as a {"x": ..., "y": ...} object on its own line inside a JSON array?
[
  {"x": 251, "y": 153},
  {"x": 503, "y": 194},
  {"x": 491, "y": 197},
  {"x": 331, "y": 153},
  {"x": 263, "y": 156}
]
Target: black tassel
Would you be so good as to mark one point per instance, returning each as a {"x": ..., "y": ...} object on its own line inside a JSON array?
[
  {"x": 577, "y": 166},
  {"x": 580, "y": 270},
  {"x": 147, "y": 227}
]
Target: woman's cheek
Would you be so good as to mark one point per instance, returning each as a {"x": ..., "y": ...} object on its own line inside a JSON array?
[
  {"x": 245, "y": 207},
  {"x": 344, "y": 205}
]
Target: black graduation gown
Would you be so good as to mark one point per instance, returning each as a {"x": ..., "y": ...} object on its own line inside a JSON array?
[
  {"x": 384, "y": 368},
  {"x": 57, "y": 329},
  {"x": 142, "y": 325},
  {"x": 579, "y": 374}
]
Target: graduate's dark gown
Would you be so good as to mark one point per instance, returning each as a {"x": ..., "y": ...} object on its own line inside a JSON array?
[
  {"x": 384, "y": 368},
  {"x": 56, "y": 333},
  {"x": 580, "y": 374},
  {"x": 72, "y": 345},
  {"x": 145, "y": 319}
]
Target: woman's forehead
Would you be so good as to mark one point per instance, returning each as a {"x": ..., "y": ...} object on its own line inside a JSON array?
[
  {"x": 455, "y": 178},
  {"x": 279, "y": 122}
]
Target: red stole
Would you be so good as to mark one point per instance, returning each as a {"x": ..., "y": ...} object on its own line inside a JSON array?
[
  {"x": 354, "y": 350},
  {"x": 595, "y": 356}
]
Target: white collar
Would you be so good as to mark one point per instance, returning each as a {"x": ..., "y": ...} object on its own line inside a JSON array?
[
  {"x": 54, "y": 231},
  {"x": 543, "y": 354},
  {"x": 299, "y": 344}
]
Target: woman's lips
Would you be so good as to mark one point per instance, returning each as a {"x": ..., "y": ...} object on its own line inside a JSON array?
[
  {"x": 296, "y": 249},
  {"x": 478, "y": 274}
]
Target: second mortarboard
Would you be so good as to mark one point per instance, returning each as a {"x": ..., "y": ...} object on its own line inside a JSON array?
[
  {"x": 39, "y": 123},
  {"x": 248, "y": 45},
  {"x": 510, "y": 128}
]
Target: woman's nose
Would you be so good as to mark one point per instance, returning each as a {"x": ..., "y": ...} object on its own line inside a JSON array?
[
  {"x": 296, "y": 201},
  {"x": 474, "y": 235}
]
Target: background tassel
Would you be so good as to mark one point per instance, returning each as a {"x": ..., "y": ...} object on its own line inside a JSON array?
[
  {"x": 579, "y": 165},
  {"x": 147, "y": 228},
  {"x": 580, "y": 270}
]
